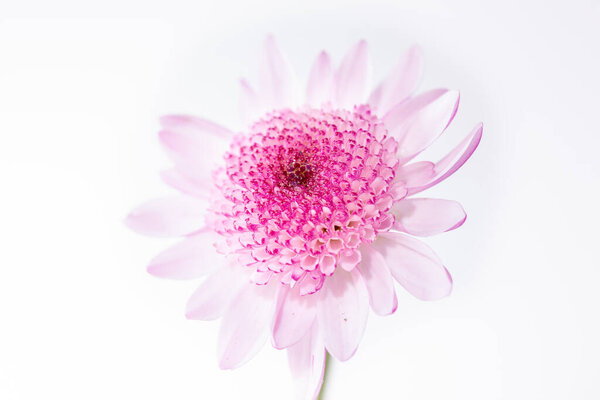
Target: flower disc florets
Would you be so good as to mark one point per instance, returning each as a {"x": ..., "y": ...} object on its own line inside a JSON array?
[{"x": 303, "y": 190}]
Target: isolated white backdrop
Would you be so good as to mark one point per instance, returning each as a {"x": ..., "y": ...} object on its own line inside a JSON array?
[{"x": 81, "y": 87}]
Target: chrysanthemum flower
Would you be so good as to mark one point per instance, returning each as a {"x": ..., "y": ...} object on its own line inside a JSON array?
[{"x": 303, "y": 220}]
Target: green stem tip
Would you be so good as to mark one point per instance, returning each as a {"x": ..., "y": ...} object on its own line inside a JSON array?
[{"x": 325, "y": 375}]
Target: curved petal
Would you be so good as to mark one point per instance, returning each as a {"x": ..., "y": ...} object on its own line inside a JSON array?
[
  {"x": 453, "y": 160},
  {"x": 379, "y": 282},
  {"x": 416, "y": 173},
  {"x": 307, "y": 364},
  {"x": 426, "y": 217},
  {"x": 191, "y": 258},
  {"x": 215, "y": 294},
  {"x": 245, "y": 325},
  {"x": 294, "y": 316},
  {"x": 400, "y": 83},
  {"x": 249, "y": 103},
  {"x": 415, "y": 266},
  {"x": 194, "y": 126},
  {"x": 192, "y": 153},
  {"x": 168, "y": 216},
  {"x": 276, "y": 81},
  {"x": 351, "y": 79},
  {"x": 419, "y": 121},
  {"x": 186, "y": 184},
  {"x": 320, "y": 81},
  {"x": 342, "y": 313}
]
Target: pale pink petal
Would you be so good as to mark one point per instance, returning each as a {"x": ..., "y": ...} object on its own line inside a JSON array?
[
  {"x": 426, "y": 217},
  {"x": 215, "y": 294},
  {"x": 193, "y": 153},
  {"x": 342, "y": 313},
  {"x": 414, "y": 265},
  {"x": 307, "y": 365},
  {"x": 378, "y": 280},
  {"x": 191, "y": 258},
  {"x": 294, "y": 316},
  {"x": 400, "y": 115},
  {"x": 276, "y": 78},
  {"x": 400, "y": 83},
  {"x": 398, "y": 191},
  {"x": 248, "y": 102},
  {"x": 245, "y": 325},
  {"x": 416, "y": 173},
  {"x": 349, "y": 259},
  {"x": 320, "y": 82},
  {"x": 194, "y": 126},
  {"x": 168, "y": 216},
  {"x": 453, "y": 160},
  {"x": 186, "y": 184},
  {"x": 419, "y": 121},
  {"x": 351, "y": 79}
]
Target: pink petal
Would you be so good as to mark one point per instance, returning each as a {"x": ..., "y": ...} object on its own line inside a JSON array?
[
  {"x": 320, "y": 81},
  {"x": 276, "y": 77},
  {"x": 194, "y": 125},
  {"x": 419, "y": 121},
  {"x": 307, "y": 364},
  {"x": 248, "y": 102},
  {"x": 342, "y": 313},
  {"x": 191, "y": 258},
  {"x": 416, "y": 173},
  {"x": 193, "y": 153},
  {"x": 215, "y": 294},
  {"x": 294, "y": 316},
  {"x": 349, "y": 259},
  {"x": 426, "y": 217},
  {"x": 415, "y": 266},
  {"x": 245, "y": 325},
  {"x": 186, "y": 184},
  {"x": 351, "y": 77},
  {"x": 168, "y": 216},
  {"x": 379, "y": 282},
  {"x": 453, "y": 160},
  {"x": 401, "y": 82}
]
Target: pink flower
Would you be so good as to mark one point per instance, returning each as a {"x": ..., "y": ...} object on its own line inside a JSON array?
[{"x": 303, "y": 221}]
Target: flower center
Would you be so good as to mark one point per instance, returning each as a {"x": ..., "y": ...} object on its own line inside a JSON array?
[
  {"x": 303, "y": 190},
  {"x": 298, "y": 171}
]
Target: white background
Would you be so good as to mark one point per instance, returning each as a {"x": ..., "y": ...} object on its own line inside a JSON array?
[{"x": 81, "y": 87}]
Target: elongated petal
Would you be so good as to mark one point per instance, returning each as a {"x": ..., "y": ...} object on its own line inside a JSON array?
[
  {"x": 426, "y": 217},
  {"x": 320, "y": 81},
  {"x": 248, "y": 102},
  {"x": 245, "y": 325},
  {"x": 193, "y": 153},
  {"x": 276, "y": 77},
  {"x": 294, "y": 316},
  {"x": 194, "y": 126},
  {"x": 400, "y": 83},
  {"x": 379, "y": 282},
  {"x": 307, "y": 365},
  {"x": 419, "y": 121},
  {"x": 415, "y": 266},
  {"x": 342, "y": 313},
  {"x": 453, "y": 160},
  {"x": 351, "y": 79},
  {"x": 186, "y": 184},
  {"x": 215, "y": 294},
  {"x": 191, "y": 258},
  {"x": 168, "y": 216},
  {"x": 415, "y": 174}
]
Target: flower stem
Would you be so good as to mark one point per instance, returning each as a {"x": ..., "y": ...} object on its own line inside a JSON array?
[{"x": 325, "y": 375}]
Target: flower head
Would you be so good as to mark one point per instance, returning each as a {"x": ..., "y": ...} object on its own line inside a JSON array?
[
  {"x": 303, "y": 191},
  {"x": 305, "y": 218}
]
